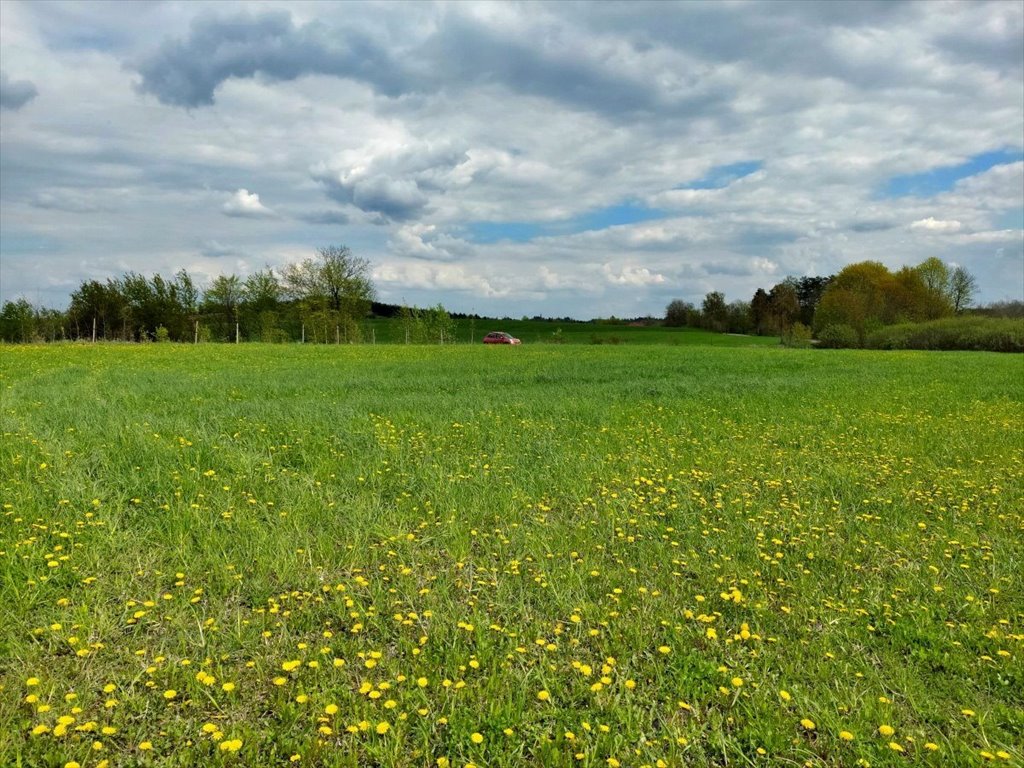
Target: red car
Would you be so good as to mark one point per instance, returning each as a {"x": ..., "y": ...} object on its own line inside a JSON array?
[{"x": 499, "y": 337}]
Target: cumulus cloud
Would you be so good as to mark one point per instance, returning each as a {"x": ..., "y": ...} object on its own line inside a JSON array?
[
  {"x": 557, "y": 158},
  {"x": 393, "y": 181},
  {"x": 629, "y": 275},
  {"x": 247, "y": 205},
  {"x": 937, "y": 226},
  {"x": 15, "y": 94}
]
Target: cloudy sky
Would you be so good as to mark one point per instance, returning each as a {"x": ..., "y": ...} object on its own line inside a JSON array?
[{"x": 559, "y": 159}]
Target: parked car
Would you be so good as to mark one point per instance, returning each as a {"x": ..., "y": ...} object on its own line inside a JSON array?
[{"x": 500, "y": 337}]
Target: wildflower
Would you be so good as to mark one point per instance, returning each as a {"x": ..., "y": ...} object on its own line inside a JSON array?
[
  {"x": 784, "y": 695},
  {"x": 145, "y": 746},
  {"x": 383, "y": 727},
  {"x": 808, "y": 724},
  {"x": 228, "y": 687},
  {"x": 422, "y": 682},
  {"x": 931, "y": 746},
  {"x": 476, "y": 738},
  {"x": 886, "y": 730},
  {"x": 846, "y": 736},
  {"x": 737, "y": 682},
  {"x": 232, "y": 745},
  {"x": 543, "y": 695},
  {"x": 661, "y": 649},
  {"x": 170, "y": 694},
  {"x": 895, "y": 747}
]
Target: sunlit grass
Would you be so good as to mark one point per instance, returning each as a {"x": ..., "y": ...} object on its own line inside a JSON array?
[{"x": 546, "y": 555}]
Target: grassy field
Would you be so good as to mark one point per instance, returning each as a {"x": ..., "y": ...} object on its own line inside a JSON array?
[
  {"x": 629, "y": 555},
  {"x": 390, "y": 330}
]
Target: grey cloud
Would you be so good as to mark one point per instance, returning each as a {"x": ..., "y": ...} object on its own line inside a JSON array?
[
  {"x": 463, "y": 51},
  {"x": 15, "y": 94},
  {"x": 186, "y": 73},
  {"x": 398, "y": 199},
  {"x": 325, "y": 217},
  {"x": 395, "y": 185},
  {"x": 872, "y": 226}
]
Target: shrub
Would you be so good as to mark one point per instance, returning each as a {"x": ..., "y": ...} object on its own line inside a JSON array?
[
  {"x": 838, "y": 336},
  {"x": 162, "y": 334},
  {"x": 964, "y": 333},
  {"x": 798, "y": 336}
]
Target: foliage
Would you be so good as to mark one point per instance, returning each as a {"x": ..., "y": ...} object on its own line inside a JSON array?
[
  {"x": 798, "y": 336},
  {"x": 838, "y": 336},
  {"x": 677, "y": 313},
  {"x": 230, "y": 556},
  {"x": 963, "y": 332},
  {"x": 715, "y": 313}
]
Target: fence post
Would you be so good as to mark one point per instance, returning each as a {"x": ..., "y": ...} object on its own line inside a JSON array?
[{"x": 195, "y": 339}]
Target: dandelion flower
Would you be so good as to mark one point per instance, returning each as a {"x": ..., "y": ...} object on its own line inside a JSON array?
[
  {"x": 808, "y": 724},
  {"x": 886, "y": 730},
  {"x": 846, "y": 736},
  {"x": 476, "y": 738},
  {"x": 543, "y": 695}
]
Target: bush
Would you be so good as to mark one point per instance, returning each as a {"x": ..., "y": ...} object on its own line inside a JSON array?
[
  {"x": 838, "y": 336},
  {"x": 798, "y": 336},
  {"x": 162, "y": 334},
  {"x": 964, "y": 333}
]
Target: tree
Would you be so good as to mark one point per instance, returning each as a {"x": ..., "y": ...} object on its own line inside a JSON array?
[
  {"x": 222, "y": 301},
  {"x": 859, "y": 297},
  {"x": 760, "y": 312},
  {"x": 936, "y": 279},
  {"x": 676, "y": 313},
  {"x": 962, "y": 289},
  {"x": 715, "y": 312},
  {"x": 335, "y": 281},
  {"x": 783, "y": 307},
  {"x": 809, "y": 291},
  {"x": 17, "y": 321}
]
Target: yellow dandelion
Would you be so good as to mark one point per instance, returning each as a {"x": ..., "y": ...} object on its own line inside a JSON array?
[{"x": 476, "y": 738}]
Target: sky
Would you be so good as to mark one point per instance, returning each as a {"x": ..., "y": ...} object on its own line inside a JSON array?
[{"x": 562, "y": 159}]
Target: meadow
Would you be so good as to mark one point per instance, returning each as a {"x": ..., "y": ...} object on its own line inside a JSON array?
[{"x": 579, "y": 555}]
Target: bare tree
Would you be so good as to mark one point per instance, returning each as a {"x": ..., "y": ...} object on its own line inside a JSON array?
[{"x": 962, "y": 289}]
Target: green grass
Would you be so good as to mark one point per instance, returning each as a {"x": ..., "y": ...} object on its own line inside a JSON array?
[
  {"x": 502, "y": 522},
  {"x": 389, "y": 330}
]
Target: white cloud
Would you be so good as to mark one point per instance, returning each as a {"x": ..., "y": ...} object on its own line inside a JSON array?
[
  {"x": 459, "y": 118},
  {"x": 247, "y": 205},
  {"x": 936, "y": 225}
]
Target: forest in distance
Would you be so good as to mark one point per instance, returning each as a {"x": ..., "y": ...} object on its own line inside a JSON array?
[{"x": 330, "y": 298}]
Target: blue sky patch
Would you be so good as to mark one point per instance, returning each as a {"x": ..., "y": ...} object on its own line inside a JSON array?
[
  {"x": 722, "y": 176},
  {"x": 943, "y": 179}
]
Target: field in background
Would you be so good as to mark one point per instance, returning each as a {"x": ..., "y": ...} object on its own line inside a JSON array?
[
  {"x": 390, "y": 331},
  {"x": 589, "y": 555}
]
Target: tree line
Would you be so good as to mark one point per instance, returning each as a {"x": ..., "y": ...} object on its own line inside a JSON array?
[
  {"x": 842, "y": 309},
  {"x": 320, "y": 299}
]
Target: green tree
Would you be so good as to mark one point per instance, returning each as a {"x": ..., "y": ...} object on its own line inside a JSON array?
[
  {"x": 715, "y": 313},
  {"x": 676, "y": 313},
  {"x": 17, "y": 321},
  {"x": 221, "y": 303},
  {"x": 783, "y": 307}
]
